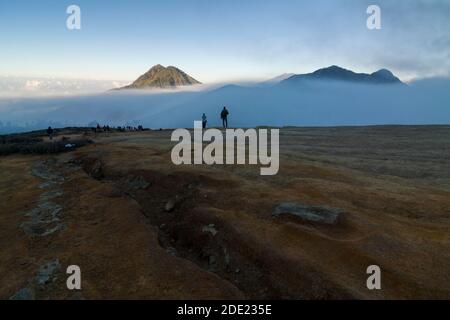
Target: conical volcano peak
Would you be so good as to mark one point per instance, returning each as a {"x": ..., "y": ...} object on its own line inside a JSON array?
[{"x": 161, "y": 77}]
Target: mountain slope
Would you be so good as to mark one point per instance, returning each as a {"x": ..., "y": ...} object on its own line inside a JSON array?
[
  {"x": 277, "y": 79},
  {"x": 336, "y": 73},
  {"x": 162, "y": 77}
]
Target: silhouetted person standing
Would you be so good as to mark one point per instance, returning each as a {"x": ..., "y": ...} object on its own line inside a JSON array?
[
  {"x": 50, "y": 133},
  {"x": 204, "y": 121},
  {"x": 224, "y": 115}
]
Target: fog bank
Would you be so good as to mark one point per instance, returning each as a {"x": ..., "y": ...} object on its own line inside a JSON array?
[{"x": 307, "y": 104}]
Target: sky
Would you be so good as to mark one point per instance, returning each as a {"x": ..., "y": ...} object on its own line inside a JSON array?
[{"x": 221, "y": 40}]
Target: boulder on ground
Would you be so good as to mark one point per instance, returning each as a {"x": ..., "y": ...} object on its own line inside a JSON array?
[
  {"x": 210, "y": 229},
  {"x": 317, "y": 214},
  {"x": 137, "y": 183}
]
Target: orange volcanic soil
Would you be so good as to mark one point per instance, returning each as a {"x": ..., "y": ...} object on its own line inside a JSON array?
[{"x": 140, "y": 227}]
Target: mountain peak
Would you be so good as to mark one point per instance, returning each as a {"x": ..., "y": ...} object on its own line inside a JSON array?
[
  {"x": 384, "y": 71},
  {"x": 336, "y": 73},
  {"x": 157, "y": 67},
  {"x": 385, "y": 74},
  {"x": 161, "y": 77},
  {"x": 334, "y": 68},
  {"x": 332, "y": 72}
]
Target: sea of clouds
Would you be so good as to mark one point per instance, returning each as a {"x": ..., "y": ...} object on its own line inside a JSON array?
[{"x": 308, "y": 104}]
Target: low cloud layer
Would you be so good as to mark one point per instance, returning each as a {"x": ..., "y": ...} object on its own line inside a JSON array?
[
  {"x": 16, "y": 87},
  {"x": 308, "y": 104}
]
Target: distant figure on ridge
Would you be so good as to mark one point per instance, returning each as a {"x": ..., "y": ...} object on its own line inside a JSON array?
[
  {"x": 204, "y": 121},
  {"x": 50, "y": 133},
  {"x": 224, "y": 115}
]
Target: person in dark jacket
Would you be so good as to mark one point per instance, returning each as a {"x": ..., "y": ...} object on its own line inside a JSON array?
[
  {"x": 224, "y": 115},
  {"x": 50, "y": 133},
  {"x": 204, "y": 121}
]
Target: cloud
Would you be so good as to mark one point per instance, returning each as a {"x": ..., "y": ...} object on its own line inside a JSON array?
[
  {"x": 32, "y": 85},
  {"x": 11, "y": 87},
  {"x": 309, "y": 104}
]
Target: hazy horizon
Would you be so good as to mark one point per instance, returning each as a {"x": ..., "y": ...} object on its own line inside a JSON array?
[
  {"x": 344, "y": 104},
  {"x": 220, "y": 42},
  {"x": 52, "y": 75}
]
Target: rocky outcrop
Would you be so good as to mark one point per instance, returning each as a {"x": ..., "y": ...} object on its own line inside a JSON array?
[{"x": 316, "y": 214}]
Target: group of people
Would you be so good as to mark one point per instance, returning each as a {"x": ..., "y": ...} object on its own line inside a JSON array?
[
  {"x": 107, "y": 128},
  {"x": 104, "y": 129},
  {"x": 223, "y": 115}
]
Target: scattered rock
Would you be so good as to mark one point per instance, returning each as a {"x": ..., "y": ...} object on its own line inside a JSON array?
[
  {"x": 210, "y": 229},
  {"x": 138, "y": 183},
  {"x": 227, "y": 257},
  {"x": 45, "y": 218},
  {"x": 23, "y": 294},
  {"x": 318, "y": 214},
  {"x": 46, "y": 272},
  {"x": 172, "y": 251},
  {"x": 96, "y": 171},
  {"x": 49, "y": 195},
  {"x": 172, "y": 203},
  {"x": 77, "y": 296},
  {"x": 42, "y": 169}
]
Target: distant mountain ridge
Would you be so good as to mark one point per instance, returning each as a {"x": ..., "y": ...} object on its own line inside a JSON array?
[
  {"x": 171, "y": 77},
  {"x": 161, "y": 77},
  {"x": 336, "y": 73}
]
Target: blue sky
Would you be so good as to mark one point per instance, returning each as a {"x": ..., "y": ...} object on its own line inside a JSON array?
[{"x": 219, "y": 41}]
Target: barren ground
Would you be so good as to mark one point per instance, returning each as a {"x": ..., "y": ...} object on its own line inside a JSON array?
[{"x": 104, "y": 207}]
